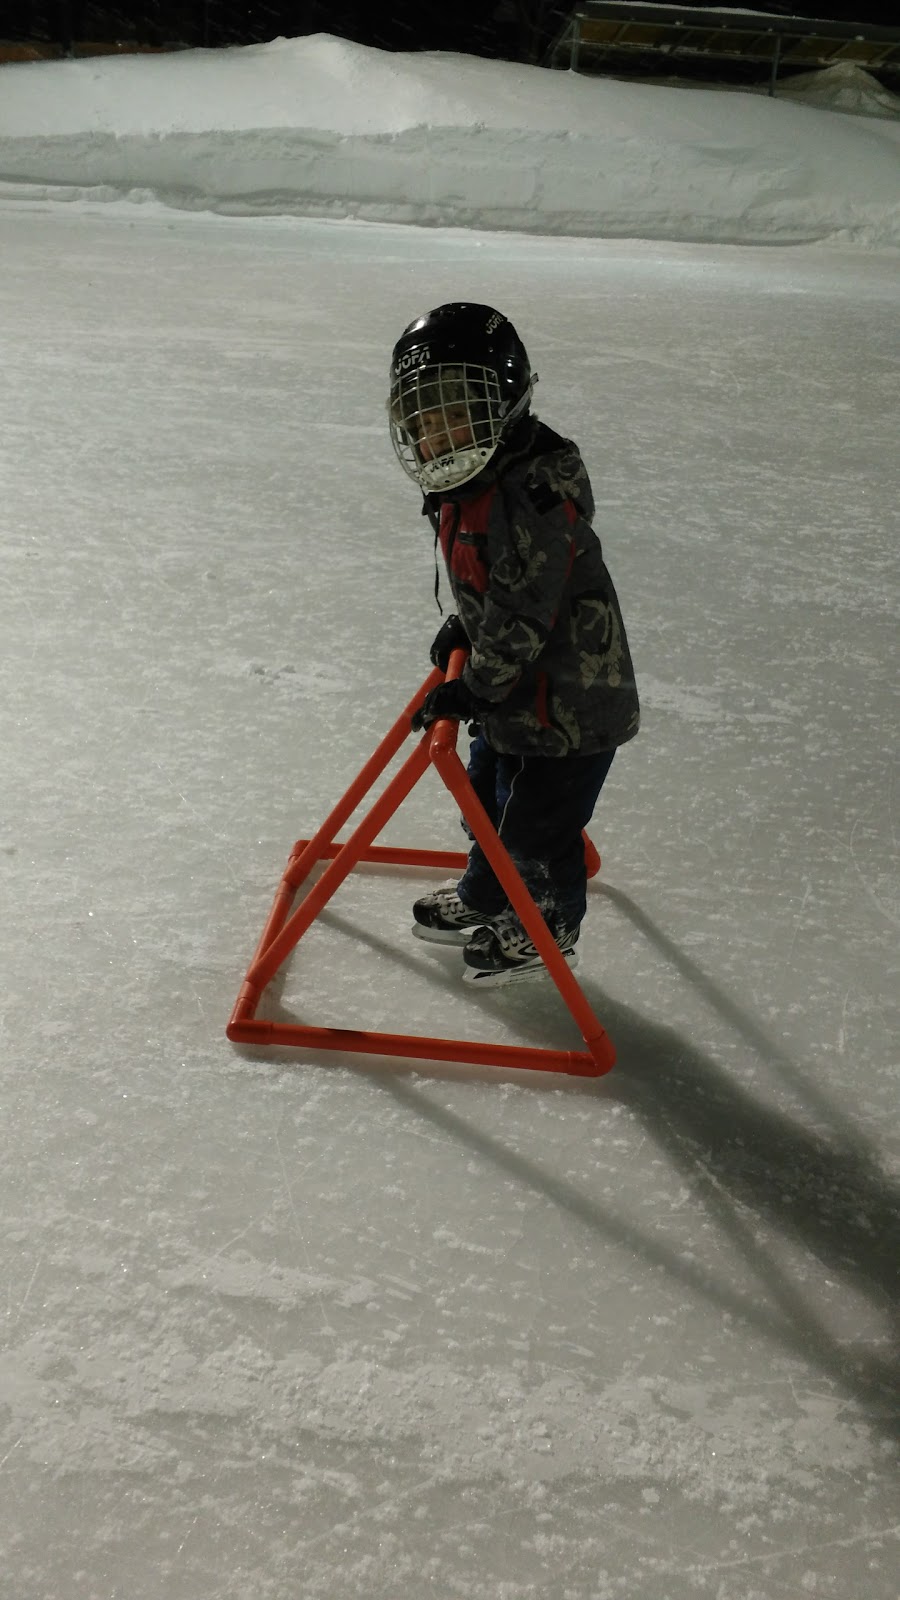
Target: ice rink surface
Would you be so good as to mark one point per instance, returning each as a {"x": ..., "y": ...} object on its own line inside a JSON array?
[{"x": 286, "y": 1326}]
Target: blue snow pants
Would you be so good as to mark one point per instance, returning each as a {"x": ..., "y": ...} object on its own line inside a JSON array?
[{"x": 539, "y": 806}]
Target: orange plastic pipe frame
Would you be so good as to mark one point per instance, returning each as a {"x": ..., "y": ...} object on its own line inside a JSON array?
[{"x": 284, "y": 928}]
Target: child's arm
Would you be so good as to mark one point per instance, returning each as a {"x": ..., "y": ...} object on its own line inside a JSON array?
[{"x": 531, "y": 550}]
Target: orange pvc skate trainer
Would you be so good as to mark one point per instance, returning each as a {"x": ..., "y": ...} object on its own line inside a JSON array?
[{"x": 285, "y": 926}]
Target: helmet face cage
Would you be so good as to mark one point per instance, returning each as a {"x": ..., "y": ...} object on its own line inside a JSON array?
[
  {"x": 447, "y": 413},
  {"x": 446, "y": 422}
]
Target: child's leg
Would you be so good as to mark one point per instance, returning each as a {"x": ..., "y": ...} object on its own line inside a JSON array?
[
  {"x": 481, "y": 771},
  {"x": 449, "y": 915},
  {"x": 490, "y": 775},
  {"x": 548, "y": 803}
]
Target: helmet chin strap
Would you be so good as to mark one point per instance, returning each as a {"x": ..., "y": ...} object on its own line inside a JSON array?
[
  {"x": 437, "y": 575},
  {"x": 520, "y": 406}
]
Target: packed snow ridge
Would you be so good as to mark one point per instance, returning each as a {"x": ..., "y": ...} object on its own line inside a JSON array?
[{"x": 319, "y": 126}]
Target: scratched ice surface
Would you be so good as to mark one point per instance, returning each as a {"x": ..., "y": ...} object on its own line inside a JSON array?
[{"x": 288, "y": 1325}]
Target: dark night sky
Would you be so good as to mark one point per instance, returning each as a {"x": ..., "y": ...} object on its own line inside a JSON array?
[
  {"x": 516, "y": 29},
  {"x": 422, "y": 20},
  {"x": 499, "y": 26}
]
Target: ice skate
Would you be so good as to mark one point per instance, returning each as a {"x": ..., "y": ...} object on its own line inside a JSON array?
[
  {"x": 504, "y": 953},
  {"x": 442, "y": 918}
]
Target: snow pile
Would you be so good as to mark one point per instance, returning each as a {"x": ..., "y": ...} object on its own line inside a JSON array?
[
  {"x": 844, "y": 87},
  {"x": 320, "y": 126}
]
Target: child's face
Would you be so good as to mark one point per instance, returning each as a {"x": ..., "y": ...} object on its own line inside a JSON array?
[{"x": 440, "y": 432}]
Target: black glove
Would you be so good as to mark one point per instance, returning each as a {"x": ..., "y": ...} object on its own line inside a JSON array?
[
  {"x": 449, "y": 637},
  {"x": 449, "y": 700}
]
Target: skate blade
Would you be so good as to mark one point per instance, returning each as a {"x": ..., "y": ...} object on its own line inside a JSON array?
[
  {"x": 510, "y": 975},
  {"x": 444, "y": 936}
]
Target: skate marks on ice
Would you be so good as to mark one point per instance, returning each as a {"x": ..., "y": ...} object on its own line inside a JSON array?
[
  {"x": 805, "y": 1201},
  {"x": 801, "y": 1226},
  {"x": 792, "y": 1210}
]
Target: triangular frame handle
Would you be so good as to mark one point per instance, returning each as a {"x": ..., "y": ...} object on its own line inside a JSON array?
[{"x": 285, "y": 927}]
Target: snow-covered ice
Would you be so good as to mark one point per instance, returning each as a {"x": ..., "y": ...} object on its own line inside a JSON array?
[{"x": 287, "y": 1326}]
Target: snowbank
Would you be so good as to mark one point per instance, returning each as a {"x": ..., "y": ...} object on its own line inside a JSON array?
[{"x": 321, "y": 126}]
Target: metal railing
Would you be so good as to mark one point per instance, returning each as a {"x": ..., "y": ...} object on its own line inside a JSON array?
[{"x": 603, "y": 30}]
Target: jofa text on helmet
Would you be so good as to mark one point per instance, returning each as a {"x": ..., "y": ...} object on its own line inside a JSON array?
[{"x": 413, "y": 358}]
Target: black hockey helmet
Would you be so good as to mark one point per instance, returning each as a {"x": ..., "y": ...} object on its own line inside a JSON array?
[{"x": 460, "y": 377}]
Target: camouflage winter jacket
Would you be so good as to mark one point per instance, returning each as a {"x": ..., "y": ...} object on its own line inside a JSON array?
[{"x": 549, "y": 651}]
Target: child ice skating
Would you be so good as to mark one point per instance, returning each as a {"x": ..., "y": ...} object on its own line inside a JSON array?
[{"x": 549, "y": 677}]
